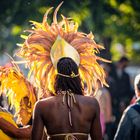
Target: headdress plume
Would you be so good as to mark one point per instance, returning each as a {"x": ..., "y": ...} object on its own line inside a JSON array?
[{"x": 38, "y": 50}]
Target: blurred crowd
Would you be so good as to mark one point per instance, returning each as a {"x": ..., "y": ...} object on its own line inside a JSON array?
[{"x": 114, "y": 99}]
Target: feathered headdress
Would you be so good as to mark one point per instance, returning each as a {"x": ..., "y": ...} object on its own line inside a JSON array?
[
  {"x": 43, "y": 41},
  {"x": 16, "y": 87}
]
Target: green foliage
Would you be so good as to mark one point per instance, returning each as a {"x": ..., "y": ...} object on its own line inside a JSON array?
[{"x": 111, "y": 21}]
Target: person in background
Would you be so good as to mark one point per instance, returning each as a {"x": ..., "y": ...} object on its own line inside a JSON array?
[
  {"x": 124, "y": 91},
  {"x": 18, "y": 124},
  {"x": 129, "y": 126},
  {"x": 10, "y": 128}
]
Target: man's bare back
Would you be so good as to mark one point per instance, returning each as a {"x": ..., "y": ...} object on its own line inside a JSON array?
[{"x": 53, "y": 113}]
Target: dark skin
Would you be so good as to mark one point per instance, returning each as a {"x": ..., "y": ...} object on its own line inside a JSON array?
[
  {"x": 23, "y": 133},
  {"x": 14, "y": 132},
  {"x": 53, "y": 114}
]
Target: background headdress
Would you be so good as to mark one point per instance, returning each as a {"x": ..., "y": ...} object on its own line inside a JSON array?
[
  {"x": 39, "y": 45},
  {"x": 15, "y": 86}
]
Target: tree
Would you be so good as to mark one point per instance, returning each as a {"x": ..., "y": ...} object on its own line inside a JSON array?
[{"x": 111, "y": 21}]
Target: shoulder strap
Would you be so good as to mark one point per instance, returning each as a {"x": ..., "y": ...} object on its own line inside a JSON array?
[{"x": 136, "y": 107}]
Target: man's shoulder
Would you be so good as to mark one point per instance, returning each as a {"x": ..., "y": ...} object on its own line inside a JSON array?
[{"x": 132, "y": 112}]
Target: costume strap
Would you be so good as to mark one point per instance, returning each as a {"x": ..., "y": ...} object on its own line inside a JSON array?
[
  {"x": 69, "y": 99},
  {"x": 70, "y": 136},
  {"x": 72, "y": 75}
]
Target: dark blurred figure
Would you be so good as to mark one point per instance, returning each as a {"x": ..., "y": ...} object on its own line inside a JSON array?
[
  {"x": 124, "y": 91},
  {"x": 129, "y": 126}
]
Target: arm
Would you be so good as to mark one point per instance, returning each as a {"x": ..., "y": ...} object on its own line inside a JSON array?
[
  {"x": 108, "y": 107},
  {"x": 38, "y": 126},
  {"x": 95, "y": 131},
  {"x": 13, "y": 131}
]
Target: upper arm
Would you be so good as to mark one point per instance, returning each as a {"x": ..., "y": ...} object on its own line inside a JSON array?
[
  {"x": 95, "y": 131},
  {"x": 12, "y": 131},
  {"x": 108, "y": 107},
  {"x": 38, "y": 126}
]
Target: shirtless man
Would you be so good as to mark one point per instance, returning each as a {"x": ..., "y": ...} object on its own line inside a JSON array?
[{"x": 69, "y": 115}]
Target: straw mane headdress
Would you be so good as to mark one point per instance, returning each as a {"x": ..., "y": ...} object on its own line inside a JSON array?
[{"x": 46, "y": 44}]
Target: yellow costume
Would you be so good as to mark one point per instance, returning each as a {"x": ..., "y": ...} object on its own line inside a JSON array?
[
  {"x": 8, "y": 117},
  {"x": 16, "y": 87}
]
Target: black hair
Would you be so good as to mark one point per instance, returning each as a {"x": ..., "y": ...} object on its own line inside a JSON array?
[
  {"x": 124, "y": 59},
  {"x": 66, "y": 66}
]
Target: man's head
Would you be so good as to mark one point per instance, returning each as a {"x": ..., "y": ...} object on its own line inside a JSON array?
[
  {"x": 123, "y": 62},
  {"x": 137, "y": 85},
  {"x": 68, "y": 76}
]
